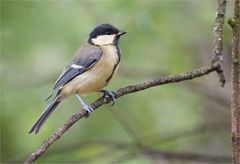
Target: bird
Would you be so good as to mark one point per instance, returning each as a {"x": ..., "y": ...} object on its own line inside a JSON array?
[{"x": 90, "y": 70}]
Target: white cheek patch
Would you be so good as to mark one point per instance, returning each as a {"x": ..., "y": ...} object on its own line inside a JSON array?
[
  {"x": 76, "y": 66},
  {"x": 104, "y": 39}
]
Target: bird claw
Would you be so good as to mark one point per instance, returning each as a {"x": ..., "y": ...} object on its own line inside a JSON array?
[
  {"x": 109, "y": 94},
  {"x": 88, "y": 108}
]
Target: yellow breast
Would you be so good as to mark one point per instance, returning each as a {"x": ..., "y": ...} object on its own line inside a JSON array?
[{"x": 96, "y": 77}]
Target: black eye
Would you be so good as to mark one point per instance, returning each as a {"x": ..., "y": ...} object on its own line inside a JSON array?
[{"x": 108, "y": 32}]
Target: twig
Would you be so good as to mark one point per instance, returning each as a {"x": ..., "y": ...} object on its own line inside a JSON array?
[
  {"x": 196, "y": 87},
  {"x": 235, "y": 81},
  {"x": 120, "y": 92},
  {"x": 218, "y": 39}
]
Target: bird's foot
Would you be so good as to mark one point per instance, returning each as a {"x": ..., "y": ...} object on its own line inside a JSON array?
[
  {"x": 109, "y": 94},
  {"x": 88, "y": 108}
]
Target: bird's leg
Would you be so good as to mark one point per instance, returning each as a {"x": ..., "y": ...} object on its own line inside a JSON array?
[
  {"x": 85, "y": 106},
  {"x": 110, "y": 94}
]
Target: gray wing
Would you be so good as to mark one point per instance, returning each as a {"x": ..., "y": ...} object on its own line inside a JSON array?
[{"x": 86, "y": 57}]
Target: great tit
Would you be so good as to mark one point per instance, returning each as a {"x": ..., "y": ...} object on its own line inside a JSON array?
[{"x": 90, "y": 70}]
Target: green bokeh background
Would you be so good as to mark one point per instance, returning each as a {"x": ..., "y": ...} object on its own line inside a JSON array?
[{"x": 38, "y": 38}]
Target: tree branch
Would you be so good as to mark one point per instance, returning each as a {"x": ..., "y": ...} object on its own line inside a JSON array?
[
  {"x": 120, "y": 92},
  {"x": 218, "y": 39},
  {"x": 235, "y": 81}
]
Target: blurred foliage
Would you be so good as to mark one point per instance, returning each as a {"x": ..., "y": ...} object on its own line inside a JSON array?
[{"x": 38, "y": 38}]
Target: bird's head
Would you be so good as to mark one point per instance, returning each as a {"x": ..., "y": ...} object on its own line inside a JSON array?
[{"x": 105, "y": 34}]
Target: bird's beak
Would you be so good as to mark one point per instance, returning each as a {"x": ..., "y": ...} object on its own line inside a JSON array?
[{"x": 121, "y": 33}]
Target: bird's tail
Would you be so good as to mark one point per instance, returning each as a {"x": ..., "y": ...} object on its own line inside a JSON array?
[{"x": 44, "y": 116}]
